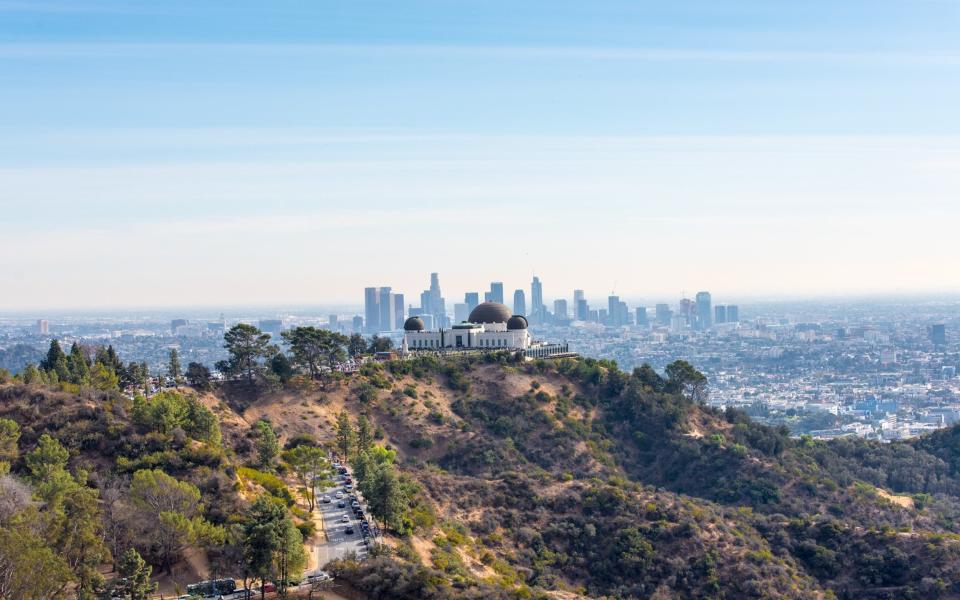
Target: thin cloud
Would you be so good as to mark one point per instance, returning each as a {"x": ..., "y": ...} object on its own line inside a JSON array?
[{"x": 511, "y": 52}]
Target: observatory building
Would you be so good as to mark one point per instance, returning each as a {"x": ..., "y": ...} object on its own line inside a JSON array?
[{"x": 490, "y": 326}]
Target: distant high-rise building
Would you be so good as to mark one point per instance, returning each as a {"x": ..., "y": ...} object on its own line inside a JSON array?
[
  {"x": 371, "y": 306},
  {"x": 641, "y": 316},
  {"x": 582, "y": 310},
  {"x": 496, "y": 292},
  {"x": 432, "y": 301},
  {"x": 388, "y": 309},
  {"x": 720, "y": 314},
  {"x": 537, "y": 309},
  {"x": 461, "y": 312},
  {"x": 602, "y": 315},
  {"x": 613, "y": 312},
  {"x": 664, "y": 314},
  {"x": 938, "y": 334},
  {"x": 560, "y": 309},
  {"x": 733, "y": 313},
  {"x": 43, "y": 326},
  {"x": 333, "y": 322},
  {"x": 174, "y": 323},
  {"x": 272, "y": 326},
  {"x": 399, "y": 311},
  {"x": 471, "y": 299},
  {"x": 519, "y": 303},
  {"x": 357, "y": 324},
  {"x": 577, "y": 297},
  {"x": 704, "y": 311}
]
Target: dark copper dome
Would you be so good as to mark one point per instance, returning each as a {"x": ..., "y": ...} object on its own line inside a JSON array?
[
  {"x": 517, "y": 322},
  {"x": 490, "y": 312},
  {"x": 413, "y": 324}
]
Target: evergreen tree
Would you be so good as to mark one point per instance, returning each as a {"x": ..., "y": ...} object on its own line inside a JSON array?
[
  {"x": 268, "y": 447},
  {"x": 356, "y": 345},
  {"x": 79, "y": 365},
  {"x": 198, "y": 376},
  {"x": 173, "y": 367},
  {"x": 346, "y": 439},
  {"x": 247, "y": 345},
  {"x": 364, "y": 434},
  {"x": 134, "y": 577},
  {"x": 273, "y": 547},
  {"x": 56, "y": 362}
]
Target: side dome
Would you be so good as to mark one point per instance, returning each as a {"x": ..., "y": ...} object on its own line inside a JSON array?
[
  {"x": 517, "y": 322},
  {"x": 490, "y": 312},
  {"x": 413, "y": 324}
]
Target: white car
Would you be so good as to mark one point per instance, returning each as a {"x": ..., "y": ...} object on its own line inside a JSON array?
[
  {"x": 345, "y": 519},
  {"x": 326, "y": 498},
  {"x": 339, "y": 495}
]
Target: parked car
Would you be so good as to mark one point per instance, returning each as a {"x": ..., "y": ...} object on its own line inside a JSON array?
[
  {"x": 339, "y": 495},
  {"x": 341, "y": 504},
  {"x": 326, "y": 499},
  {"x": 345, "y": 519},
  {"x": 348, "y": 530}
]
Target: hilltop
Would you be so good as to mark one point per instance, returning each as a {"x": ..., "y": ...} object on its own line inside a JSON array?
[{"x": 561, "y": 479}]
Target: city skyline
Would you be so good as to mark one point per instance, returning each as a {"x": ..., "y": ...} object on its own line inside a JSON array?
[{"x": 752, "y": 149}]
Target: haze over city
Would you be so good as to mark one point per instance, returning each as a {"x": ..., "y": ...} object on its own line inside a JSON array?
[{"x": 233, "y": 153}]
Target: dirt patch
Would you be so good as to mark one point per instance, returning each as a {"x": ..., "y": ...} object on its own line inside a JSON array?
[{"x": 901, "y": 501}]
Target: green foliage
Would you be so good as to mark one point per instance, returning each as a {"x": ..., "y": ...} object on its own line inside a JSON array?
[
  {"x": 314, "y": 348},
  {"x": 29, "y": 568},
  {"x": 268, "y": 481},
  {"x": 272, "y": 545},
  {"x": 9, "y": 435},
  {"x": 267, "y": 444},
  {"x": 345, "y": 437},
  {"x": 47, "y": 459},
  {"x": 247, "y": 346},
  {"x": 134, "y": 577},
  {"x": 311, "y": 467},
  {"x": 168, "y": 410}
]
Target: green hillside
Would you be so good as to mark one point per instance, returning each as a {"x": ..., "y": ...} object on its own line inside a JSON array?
[{"x": 555, "y": 479}]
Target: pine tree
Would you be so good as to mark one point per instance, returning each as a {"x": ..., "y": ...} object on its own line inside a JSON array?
[
  {"x": 174, "y": 369},
  {"x": 56, "y": 362},
  {"x": 135, "y": 577},
  {"x": 346, "y": 439}
]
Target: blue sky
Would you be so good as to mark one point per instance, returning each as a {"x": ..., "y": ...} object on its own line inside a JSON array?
[{"x": 169, "y": 153}]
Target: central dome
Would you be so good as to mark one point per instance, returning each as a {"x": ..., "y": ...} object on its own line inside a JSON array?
[
  {"x": 490, "y": 312},
  {"x": 413, "y": 324}
]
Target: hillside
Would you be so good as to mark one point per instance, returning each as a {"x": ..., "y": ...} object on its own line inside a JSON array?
[{"x": 562, "y": 479}]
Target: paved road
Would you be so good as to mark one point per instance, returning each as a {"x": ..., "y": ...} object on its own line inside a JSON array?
[{"x": 339, "y": 542}]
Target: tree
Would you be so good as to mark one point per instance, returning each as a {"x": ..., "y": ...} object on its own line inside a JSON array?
[
  {"x": 273, "y": 547},
  {"x": 384, "y": 494},
  {"x": 79, "y": 365},
  {"x": 364, "y": 434},
  {"x": 173, "y": 367},
  {"x": 9, "y": 435},
  {"x": 280, "y": 366},
  {"x": 77, "y": 534},
  {"x": 47, "y": 458},
  {"x": 198, "y": 376},
  {"x": 246, "y": 345},
  {"x": 56, "y": 361},
  {"x": 134, "y": 574},
  {"x": 103, "y": 378},
  {"x": 310, "y": 465},
  {"x": 268, "y": 447},
  {"x": 29, "y": 569},
  {"x": 346, "y": 439},
  {"x": 682, "y": 378},
  {"x": 380, "y": 344},
  {"x": 306, "y": 345},
  {"x": 167, "y": 510},
  {"x": 31, "y": 375},
  {"x": 356, "y": 345}
]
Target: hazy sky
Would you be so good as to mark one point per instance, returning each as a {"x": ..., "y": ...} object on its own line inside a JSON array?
[{"x": 201, "y": 153}]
